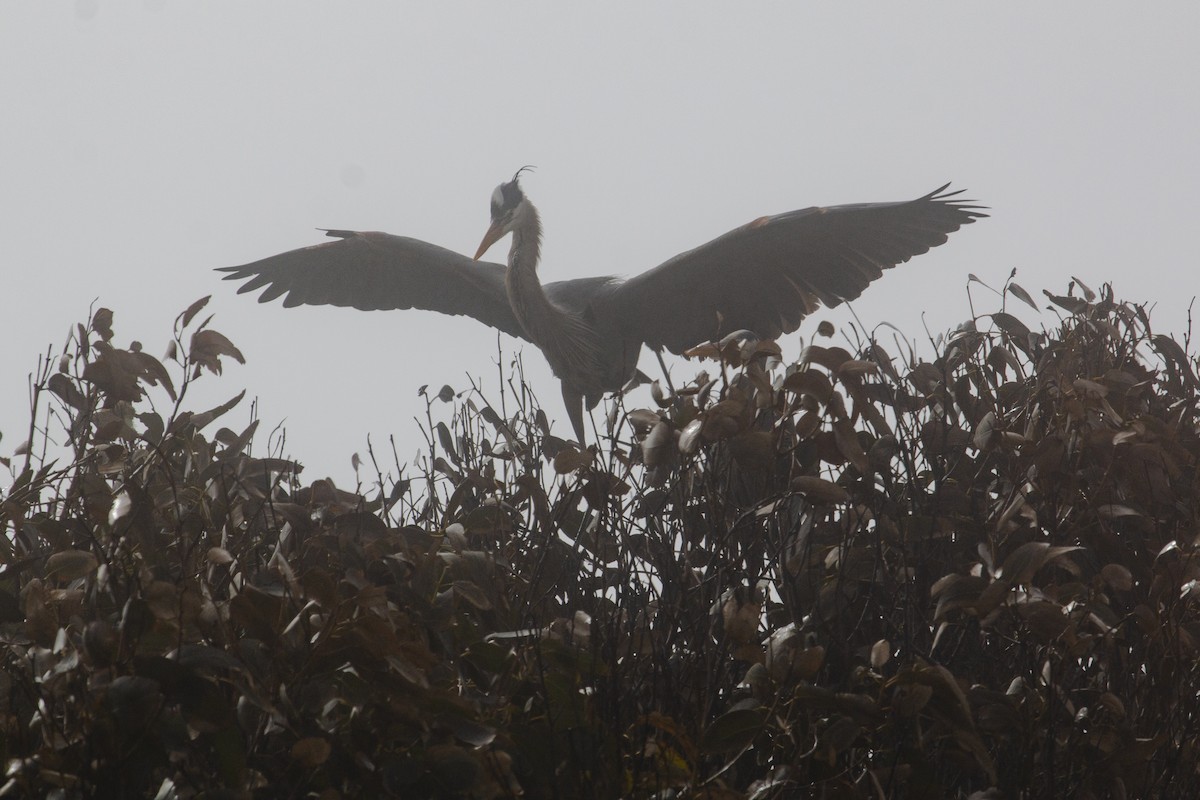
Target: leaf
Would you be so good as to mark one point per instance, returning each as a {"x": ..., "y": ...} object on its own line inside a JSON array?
[
  {"x": 985, "y": 431},
  {"x": 1018, "y": 330},
  {"x": 447, "y": 442},
  {"x": 68, "y": 565},
  {"x": 570, "y": 459},
  {"x": 134, "y": 702},
  {"x": 468, "y": 730},
  {"x": 1023, "y": 562},
  {"x": 207, "y": 347},
  {"x": 235, "y": 444},
  {"x": 1074, "y": 305},
  {"x": 65, "y": 389},
  {"x": 825, "y": 328},
  {"x": 199, "y": 421},
  {"x": 689, "y": 438},
  {"x": 838, "y": 737},
  {"x": 658, "y": 447},
  {"x": 311, "y": 751},
  {"x": 472, "y": 594},
  {"x": 102, "y": 323},
  {"x": 733, "y": 730},
  {"x": 153, "y": 372},
  {"x": 1170, "y": 350},
  {"x": 1087, "y": 293},
  {"x": 819, "y": 491},
  {"x": 1022, "y": 295},
  {"x": 706, "y": 350},
  {"x": 219, "y": 556},
  {"x": 809, "y": 382},
  {"x": 154, "y": 426},
  {"x": 204, "y": 705},
  {"x": 184, "y": 319},
  {"x": 911, "y": 698},
  {"x": 1112, "y": 510},
  {"x": 828, "y": 357},
  {"x": 1118, "y": 577},
  {"x": 881, "y": 651},
  {"x": 926, "y": 377},
  {"x": 319, "y": 585},
  {"x": 453, "y": 768},
  {"x": 855, "y": 367},
  {"x": 849, "y": 446},
  {"x": 122, "y": 504}
]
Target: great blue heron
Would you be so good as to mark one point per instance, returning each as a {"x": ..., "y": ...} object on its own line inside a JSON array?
[{"x": 765, "y": 276}]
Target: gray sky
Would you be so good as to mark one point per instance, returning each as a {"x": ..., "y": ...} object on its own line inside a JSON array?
[{"x": 145, "y": 143}]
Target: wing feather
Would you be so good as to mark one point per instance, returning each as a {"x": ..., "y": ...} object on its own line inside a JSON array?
[
  {"x": 376, "y": 271},
  {"x": 766, "y": 276}
]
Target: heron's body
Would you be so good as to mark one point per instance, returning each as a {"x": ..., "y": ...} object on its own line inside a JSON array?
[{"x": 764, "y": 277}]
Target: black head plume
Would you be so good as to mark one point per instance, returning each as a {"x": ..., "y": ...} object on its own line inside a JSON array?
[{"x": 508, "y": 195}]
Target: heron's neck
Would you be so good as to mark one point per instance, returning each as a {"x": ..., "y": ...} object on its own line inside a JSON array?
[{"x": 540, "y": 318}]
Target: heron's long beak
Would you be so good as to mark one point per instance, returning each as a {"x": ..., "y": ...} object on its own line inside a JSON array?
[{"x": 489, "y": 239}]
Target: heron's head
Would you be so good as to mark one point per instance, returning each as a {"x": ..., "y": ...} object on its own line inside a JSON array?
[{"x": 509, "y": 209}]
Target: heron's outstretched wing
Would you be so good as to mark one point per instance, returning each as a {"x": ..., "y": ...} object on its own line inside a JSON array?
[
  {"x": 768, "y": 275},
  {"x": 374, "y": 271}
]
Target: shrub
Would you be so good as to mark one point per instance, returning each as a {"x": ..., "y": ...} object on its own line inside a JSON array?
[{"x": 853, "y": 576}]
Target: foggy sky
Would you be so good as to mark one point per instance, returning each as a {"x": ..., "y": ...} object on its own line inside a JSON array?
[{"x": 146, "y": 143}]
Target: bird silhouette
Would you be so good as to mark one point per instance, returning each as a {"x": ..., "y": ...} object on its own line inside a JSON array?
[{"x": 765, "y": 277}]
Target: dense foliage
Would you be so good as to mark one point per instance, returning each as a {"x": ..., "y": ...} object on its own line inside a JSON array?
[{"x": 855, "y": 576}]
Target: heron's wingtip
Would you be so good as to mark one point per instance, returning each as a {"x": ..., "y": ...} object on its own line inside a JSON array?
[{"x": 955, "y": 200}]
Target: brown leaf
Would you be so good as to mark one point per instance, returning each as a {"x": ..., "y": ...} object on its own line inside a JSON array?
[
  {"x": 472, "y": 594},
  {"x": 204, "y": 418},
  {"x": 1022, "y": 295},
  {"x": 1074, "y": 305},
  {"x": 570, "y": 459},
  {"x": 65, "y": 389},
  {"x": 689, "y": 437},
  {"x": 153, "y": 372},
  {"x": 911, "y": 698},
  {"x": 855, "y": 368},
  {"x": 1117, "y": 576},
  {"x": 67, "y": 565},
  {"x": 881, "y": 651},
  {"x": 447, "y": 442},
  {"x": 985, "y": 431},
  {"x": 733, "y": 730},
  {"x": 1023, "y": 562},
  {"x": 706, "y": 350},
  {"x": 1087, "y": 293},
  {"x": 643, "y": 420},
  {"x": 819, "y": 491},
  {"x": 809, "y": 382},
  {"x": 184, "y": 319},
  {"x": 1013, "y": 327},
  {"x": 311, "y": 751},
  {"x": 207, "y": 347},
  {"x": 219, "y": 556},
  {"x": 102, "y": 323},
  {"x": 848, "y": 444},
  {"x": 831, "y": 358}
]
